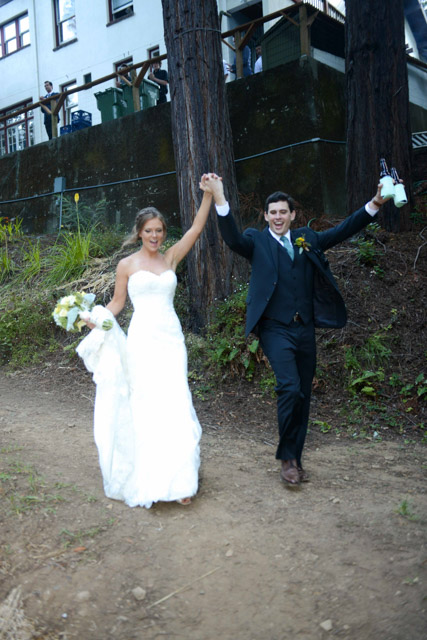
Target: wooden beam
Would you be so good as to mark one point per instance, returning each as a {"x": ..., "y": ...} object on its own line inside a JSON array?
[
  {"x": 141, "y": 74},
  {"x": 122, "y": 77},
  {"x": 247, "y": 37},
  {"x": 312, "y": 18},
  {"x": 228, "y": 45},
  {"x": 285, "y": 15},
  {"x": 59, "y": 103},
  {"x": 267, "y": 18}
]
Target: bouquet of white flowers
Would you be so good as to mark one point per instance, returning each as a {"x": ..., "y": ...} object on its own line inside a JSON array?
[{"x": 70, "y": 309}]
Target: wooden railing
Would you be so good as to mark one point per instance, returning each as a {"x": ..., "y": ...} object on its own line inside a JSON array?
[{"x": 242, "y": 34}]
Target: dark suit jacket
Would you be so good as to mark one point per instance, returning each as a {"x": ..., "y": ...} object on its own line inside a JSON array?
[
  {"x": 328, "y": 305},
  {"x": 47, "y": 116}
]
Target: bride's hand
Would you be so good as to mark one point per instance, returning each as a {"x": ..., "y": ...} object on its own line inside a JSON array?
[
  {"x": 85, "y": 317},
  {"x": 207, "y": 182}
]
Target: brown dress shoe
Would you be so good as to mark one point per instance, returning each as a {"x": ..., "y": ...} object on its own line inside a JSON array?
[
  {"x": 289, "y": 473},
  {"x": 303, "y": 475}
]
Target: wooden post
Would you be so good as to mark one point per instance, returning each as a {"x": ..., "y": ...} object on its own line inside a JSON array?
[
  {"x": 304, "y": 33},
  {"x": 54, "y": 119},
  {"x": 239, "y": 55},
  {"x": 135, "y": 92}
]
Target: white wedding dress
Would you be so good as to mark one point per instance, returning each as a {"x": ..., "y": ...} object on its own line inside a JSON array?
[{"x": 145, "y": 426}]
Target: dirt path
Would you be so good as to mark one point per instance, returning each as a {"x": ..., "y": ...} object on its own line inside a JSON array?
[{"x": 248, "y": 560}]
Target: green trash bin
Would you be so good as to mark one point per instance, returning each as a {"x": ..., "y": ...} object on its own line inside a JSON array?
[
  {"x": 148, "y": 95},
  {"x": 149, "y": 92},
  {"x": 111, "y": 104}
]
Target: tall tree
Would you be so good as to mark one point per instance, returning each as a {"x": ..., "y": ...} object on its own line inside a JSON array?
[
  {"x": 202, "y": 139},
  {"x": 377, "y": 103}
]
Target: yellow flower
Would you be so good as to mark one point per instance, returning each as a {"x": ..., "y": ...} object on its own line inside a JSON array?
[
  {"x": 76, "y": 198},
  {"x": 302, "y": 244},
  {"x": 63, "y": 313}
]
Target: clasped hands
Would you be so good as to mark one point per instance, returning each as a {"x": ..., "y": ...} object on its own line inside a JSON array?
[{"x": 212, "y": 183}]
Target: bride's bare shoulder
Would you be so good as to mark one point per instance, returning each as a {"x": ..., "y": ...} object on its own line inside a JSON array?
[{"x": 126, "y": 265}]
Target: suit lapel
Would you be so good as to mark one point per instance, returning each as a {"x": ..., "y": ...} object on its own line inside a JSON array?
[{"x": 273, "y": 247}]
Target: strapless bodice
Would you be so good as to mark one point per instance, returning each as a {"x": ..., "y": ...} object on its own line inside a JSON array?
[{"x": 149, "y": 291}]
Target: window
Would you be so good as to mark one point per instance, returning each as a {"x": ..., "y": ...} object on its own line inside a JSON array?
[
  {"x": 65, "y": 20},
  {"x": 87, "y": 78},
  {"x": 71, "y": 102},
  {"x": 119, "y": 82},
  {"x": 14, "y": 35},
  {"x": 122, "y": 63},
  {"x": 153, "y": 52},
  {"x": 16, "y": 133},
  {"x": 120, "y": 9}
]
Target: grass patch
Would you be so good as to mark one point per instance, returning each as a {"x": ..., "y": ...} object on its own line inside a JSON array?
[
  {"x": 405, "y": 510},
  {"x": 79, "y": 536},
  {"x": 26, "y": 328},
  {"x": 24, "y": 490}
]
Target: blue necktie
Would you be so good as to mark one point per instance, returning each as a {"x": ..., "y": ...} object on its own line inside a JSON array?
[{"x": 288, "y": 246}]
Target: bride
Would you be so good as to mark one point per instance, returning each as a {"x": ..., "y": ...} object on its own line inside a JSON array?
[{"x": 145, "y": 427}]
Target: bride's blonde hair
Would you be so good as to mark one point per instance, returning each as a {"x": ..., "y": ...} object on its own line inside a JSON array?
[{"x": 143, "y": 216}]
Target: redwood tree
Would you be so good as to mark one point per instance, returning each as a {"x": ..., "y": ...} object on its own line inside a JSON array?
[
  {"x": 202, "y": 139},
  {"x": 377, "y": 103}
]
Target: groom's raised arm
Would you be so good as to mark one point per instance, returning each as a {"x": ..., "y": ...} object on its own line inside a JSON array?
[{"x": 238, "y": 242}]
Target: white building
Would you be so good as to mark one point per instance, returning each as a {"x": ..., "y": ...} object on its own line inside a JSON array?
[{"x": 73, "y": 42}]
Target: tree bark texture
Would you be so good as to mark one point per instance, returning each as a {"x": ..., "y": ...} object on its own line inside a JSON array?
[
  {"x": 377, "y": 103},
  {"x": 202, "y": 140}
]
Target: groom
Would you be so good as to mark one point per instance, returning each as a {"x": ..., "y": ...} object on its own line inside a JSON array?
[{"x": 291, "y": 291}]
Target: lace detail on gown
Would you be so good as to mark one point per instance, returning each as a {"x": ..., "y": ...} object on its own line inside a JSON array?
[{"x": 145, "y": 426}]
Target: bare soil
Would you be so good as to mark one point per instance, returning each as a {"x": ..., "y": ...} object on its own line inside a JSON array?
[
  {"x": 342, "y": 557},
  {"x": 248, "y": 559}
]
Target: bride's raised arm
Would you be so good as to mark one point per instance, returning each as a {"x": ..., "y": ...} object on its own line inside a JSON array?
[{"x": 178, "y": 251}]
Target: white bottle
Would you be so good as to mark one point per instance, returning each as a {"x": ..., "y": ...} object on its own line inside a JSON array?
[
  {"x": 386, "y": 180},
  {"x": 399, "y": 190}
]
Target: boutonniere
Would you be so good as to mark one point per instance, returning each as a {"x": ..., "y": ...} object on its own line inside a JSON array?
[{"x": 302, "y": 244}]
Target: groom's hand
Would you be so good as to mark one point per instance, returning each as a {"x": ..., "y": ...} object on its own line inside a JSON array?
[
  {"x": 378, "y": 200},
  {"x": 212, "y": 183}
]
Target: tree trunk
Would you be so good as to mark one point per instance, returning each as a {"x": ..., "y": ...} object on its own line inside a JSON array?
[
  {"x": 378, "y": 104},
  {"x": 202, "y": 140}
]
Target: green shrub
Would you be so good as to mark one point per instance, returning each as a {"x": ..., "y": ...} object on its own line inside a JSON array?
[
  {"x": 7, "y": 265},
  {"x": 26, "y": 328},
  {"x": 105, "y": 241},
  {"x": 32, "y": 262},
  {"x": 367, "y": 246},
  {"x": 227, "y": 346},
  {"x": 374, "y": 352},
  {"x": 76, "y": 216},
  {"x": 10, "y": 230},
  {"x": 68, "y": 260}
]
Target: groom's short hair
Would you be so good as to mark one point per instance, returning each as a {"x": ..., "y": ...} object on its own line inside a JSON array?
[{"x": 279, "y": 196}]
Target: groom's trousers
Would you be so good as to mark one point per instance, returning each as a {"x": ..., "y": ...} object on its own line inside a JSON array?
[{"x": 291, "y": 351}]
